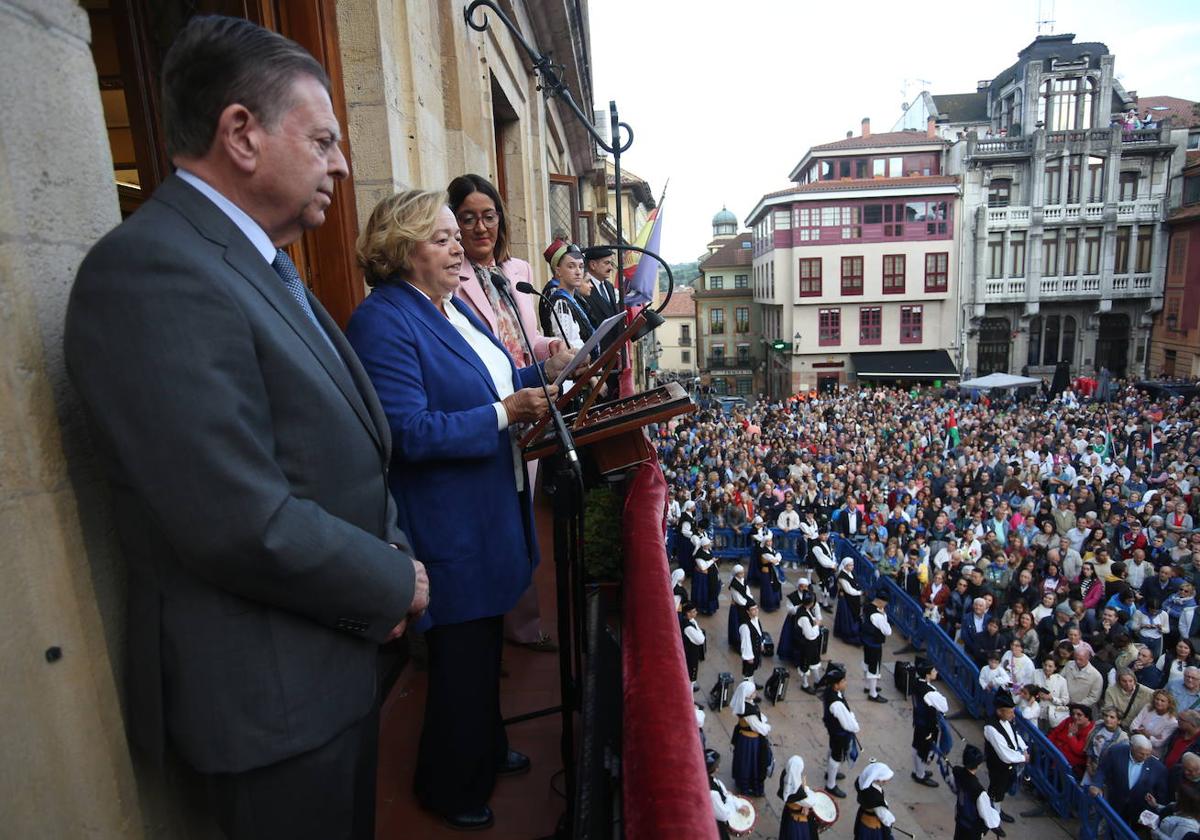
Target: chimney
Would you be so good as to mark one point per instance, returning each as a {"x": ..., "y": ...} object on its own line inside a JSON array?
[
  {"x": 866, "y": 127},
  {"x": 931, "y": 127},
  {"x": 849, "y": 134}
]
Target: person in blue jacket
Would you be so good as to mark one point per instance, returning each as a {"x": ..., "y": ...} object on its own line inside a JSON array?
[{"x": 452, "y": 397}]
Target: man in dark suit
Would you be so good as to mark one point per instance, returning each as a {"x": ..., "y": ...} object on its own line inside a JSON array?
[
  {"x": 1127, "y": 773},
  {"x": 246, "y": 451},
  {"x": 603, "y": 302}
]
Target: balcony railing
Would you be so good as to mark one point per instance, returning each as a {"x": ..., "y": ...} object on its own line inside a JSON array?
[
  {"x": 1143, "y": 136},
  {"x": 998, "y": 217},
  {"x": 1003, "y": 146},
  {"x": 731, "y": 362},
  {"x": 685, "y": 341},
  {"x": 1013, "y": 288},
  {"x": 1091, "y": 135},
  {"x": 1141, "y": 210}
]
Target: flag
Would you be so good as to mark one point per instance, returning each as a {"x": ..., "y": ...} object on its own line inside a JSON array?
[
  {"x": 641, "y": 274},
  {"x": 952, "y": 437}
]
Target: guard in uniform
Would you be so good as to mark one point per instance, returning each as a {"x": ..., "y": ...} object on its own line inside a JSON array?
[
  {"x": 873, "y": 631},
  {"x": 874, "y": 819},
  {"x": 840, "y": 723},
  {"x": 794, "y": 823},
  {"x": 706, "y": 579},
  {"x": 974, "y": 813},
  {"x": 739, "y": 597},
  {"x": 752, "y": 758},
  {"x": 928, "y": 705},
  {"x": 693, "y": 642},
  {"x": 751, "y": 639},
  {"x": 1004, "y": 750}
]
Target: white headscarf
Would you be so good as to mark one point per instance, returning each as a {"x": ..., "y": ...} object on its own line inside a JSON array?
[
  {"x": 705, "y": 541},
  {"x": 744, "y": 690},
  {"x": 738, "y": 569},
  {"x": 845, "y": 562},
  {"x": 791, "y": 775},
  {"x": 874, "y": 772},
  {"x": 677, "y": 576},
  {"x": 689, "y": 505},
  {"x": 699, "y": 717}
]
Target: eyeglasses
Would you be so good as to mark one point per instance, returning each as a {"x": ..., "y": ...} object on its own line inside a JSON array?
[{"x": 490, "y": 219}]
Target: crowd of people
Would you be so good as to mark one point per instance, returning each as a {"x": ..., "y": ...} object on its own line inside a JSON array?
[{"x": 1054, "y": 539}]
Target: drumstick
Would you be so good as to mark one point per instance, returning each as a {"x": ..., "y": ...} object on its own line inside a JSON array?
[{"x": 902, "y": 831}]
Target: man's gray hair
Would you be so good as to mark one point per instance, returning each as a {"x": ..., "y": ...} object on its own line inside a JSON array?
[
  {"x": 1140, "y": 741},
  {"x": 979, "y": 601},
  {"x": 1191, "y": 669},
  {"x": 1189, "y": 716}
]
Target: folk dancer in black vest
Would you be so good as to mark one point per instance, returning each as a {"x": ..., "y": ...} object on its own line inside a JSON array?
[
  {"x": 739, "y": 597},
  {"x": 759, "y": 532},
  {"x": 678, "y": 590},
  {"x": 928, "y": 705},
  {"x": 693, "y": 641},
  {"x": 786, "y": 648},
  {"x": 793, "y": 790},
  {"x": 706, "y": 579},
  {"x": 684, "y": 532},
  {"x": 1004, "y": 750},
  {"x": 840, "y": 724},
  {"x": 770, "y": 591},
  {"x": 722, "y": 802},
  {"x": 974, "y": 812},
  {"x": 874, "y": 630},
  {"x": 874, "y": 819},
  {"x": 847, "y": 620},
  {"x": 752, "y": 757},
  {"x": 750, "y": 635},
  {"x": 821, "y": 552},
  {"x": 808, "y": 641}
]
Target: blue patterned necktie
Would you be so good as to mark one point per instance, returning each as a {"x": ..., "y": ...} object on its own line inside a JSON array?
[{"x": 286, "y": 269}]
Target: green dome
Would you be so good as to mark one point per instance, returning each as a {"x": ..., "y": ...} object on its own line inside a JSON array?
[{"x": 725, "y": 218}]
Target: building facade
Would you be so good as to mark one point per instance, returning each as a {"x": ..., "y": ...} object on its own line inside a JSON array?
[
  {"x": 1064, "y": 241},
  {"x": 729, "y": 348},
  {"x": 1175, "y": 345},
  {"x": 676, "y": 338},
  {"x": 855, "y": 267},
  {"x": 422, "y": 98}
]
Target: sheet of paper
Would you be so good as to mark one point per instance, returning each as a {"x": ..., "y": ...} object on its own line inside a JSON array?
[{"x": 606, "y": 326}]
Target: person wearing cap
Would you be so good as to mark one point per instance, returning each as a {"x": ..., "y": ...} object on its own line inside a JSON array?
[
  {"x": 678, "y": 590},
  {"x": 840, "y": 723},
  {"x": 1126, "y": 774},
  {"x": 603, "y": 300},
  {"x": 874, "y": 819},
  {"x": 770, "y": 591},
  {"x": 873, "y": 631},
  {"x": 560, "y": 312},
  {"x": 848, "y": 618},
  {"x": 723, "y": 803},
  {"x": 739, "y": 597},
  {"x": 822, "y": 552},
  {"x": 750, "y": 639},
  {"x": 1005, "y": 750},
  {"x": 974, "y": 812},
  {"x": 706, "y": 579},
  {"x": 928, "y": 705},
  {"x": 693, "y": 641},
  {"x": 794, "y": 823},
  {"x": 752, "y": 758}
]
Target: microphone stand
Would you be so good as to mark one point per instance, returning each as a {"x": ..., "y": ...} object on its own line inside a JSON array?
[{"x": 567, "y": 491}]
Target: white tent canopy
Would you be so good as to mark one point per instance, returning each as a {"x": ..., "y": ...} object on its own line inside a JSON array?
[{"x": 999, "y": 381}]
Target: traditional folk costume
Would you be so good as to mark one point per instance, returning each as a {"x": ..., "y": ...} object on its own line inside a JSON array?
[
  {"x": 794, "y": 823},
  {"x": 808, "y": 641},
  {"x": 821, "y": 552},
  {"x": 874, "y": 819},
  {"x": 770, "y": 591},
  {"x": 684, "y": 532},
  {"x": 693, "y": 644},
  {"x": 847, "y": 620},
  {"x": 1004, "y": 751},
  {"x": 706, "y": 579},
  {"x": 739, "y": 597},
  {"x": 974, "y": 812},
  {"x": 722, "y": 801},
  {"x": 786, "y": 649},
  {"x": 873, "y": 631},
  {"x": 750, "y": 636},
  {"x": 752, "y": 757},
  {"x": 928, "y": 705},
  {"x": 840, "y": 724},
  {"x": 680, "y": 594},
  {"x": 759, "y": 535}
]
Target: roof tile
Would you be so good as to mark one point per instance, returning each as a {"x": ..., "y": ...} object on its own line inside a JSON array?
[{"x": 736, "y": 252}]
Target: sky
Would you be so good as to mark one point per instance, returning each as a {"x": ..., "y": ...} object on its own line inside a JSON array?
[{"x": 725, "y": 98}]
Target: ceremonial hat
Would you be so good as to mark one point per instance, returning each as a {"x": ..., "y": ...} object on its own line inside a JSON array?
[
  {"x": 559, "y": 249},
  {"x": 597, "y": 252},
  {"x": 1004, "y": 700},
  {"x": 835, "y": 673},
  {"x": 923, "y": 666},
  {"x": 972, "y": 756}
]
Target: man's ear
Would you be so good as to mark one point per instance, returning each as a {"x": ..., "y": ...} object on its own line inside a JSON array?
[{"x": 239, "y": 134}]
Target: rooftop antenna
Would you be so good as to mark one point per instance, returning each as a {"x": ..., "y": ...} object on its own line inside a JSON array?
[{"x": 1047, "y": 22}]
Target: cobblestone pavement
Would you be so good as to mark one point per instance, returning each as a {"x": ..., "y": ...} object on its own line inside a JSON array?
[{"x": 796, "y": 729}]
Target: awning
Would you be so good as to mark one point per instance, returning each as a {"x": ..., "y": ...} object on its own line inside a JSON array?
[{"x": 905, "y": 364}]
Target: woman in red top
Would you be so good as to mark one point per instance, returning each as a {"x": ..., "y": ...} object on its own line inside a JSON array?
[{"x": 1071, "y": 736}]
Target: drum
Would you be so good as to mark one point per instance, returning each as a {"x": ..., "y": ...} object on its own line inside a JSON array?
[
  {"x": 742, "y": 821},
  {"x": 824, "y": 811}
]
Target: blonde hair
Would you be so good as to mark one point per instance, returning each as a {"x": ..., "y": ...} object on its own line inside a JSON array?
[{"x": 397, "y": 224}]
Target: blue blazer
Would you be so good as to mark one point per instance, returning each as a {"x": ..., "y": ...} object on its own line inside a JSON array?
[
  {"x": 1113, "y": 776},
  {"x": 970, "y": 639},
  {"x": 452, "y": 470}
]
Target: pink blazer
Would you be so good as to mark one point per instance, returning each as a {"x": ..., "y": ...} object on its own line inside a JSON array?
[{"x": 516, "y": 271}]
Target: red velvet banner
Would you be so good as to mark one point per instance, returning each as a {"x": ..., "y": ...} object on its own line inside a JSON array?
[{"x": 664, "y": 784}]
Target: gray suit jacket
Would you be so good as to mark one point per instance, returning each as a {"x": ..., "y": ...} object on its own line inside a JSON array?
[{"x": 248, "y": 468}]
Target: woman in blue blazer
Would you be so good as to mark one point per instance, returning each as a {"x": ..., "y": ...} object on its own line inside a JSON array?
[{"x": 452, "y": 396}]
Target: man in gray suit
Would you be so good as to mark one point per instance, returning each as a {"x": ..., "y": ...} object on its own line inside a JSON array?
[{"x": 246, "y": 451}]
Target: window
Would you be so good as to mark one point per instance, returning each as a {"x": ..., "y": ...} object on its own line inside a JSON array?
[
  {"x": 685, "y": 335},
  {"x": 1053, "y": 184},
  {"x": 1035, "y": 341},
  {"x": 999, "y": 190},
  {"x": 1050, "y": 345},
  {"x": 1193, "y": 141},
  {"x": 809, "y": 274},
  {"x": 1071, "y": 248},
  {"x": 893, "y": 213},
  {"x": 741, "y": 319},
  {"x": 829, "y": 327},
  {"x": 1068, "y": 340},
  {"x": 744, "y": 385},
  {"x": 741, "y": 281},
  {"x": 870, "y": 325},
  {"x": 1017, "y": 242},
  {"x": 716, "y": 281},
  {"x": 716, "y": 321},
  {"x": 1191, "y": 189},
  {"x": 860, "y": 168},
  {"x": 895, "y": 167},
  {"x": 1091, "y": 251},
  {"x": 893, "y": 274},
  {"x": 873, "y": 214},
  {"x": 911, "y": 326},
  {"x": 995, "y": 255},
  {"x": 808, "y": 222},
  {"x": 563, "y": 208},
  {"x": 1095, "y": 179},
  {"x": 743, "y": 352},
  {"x": 1073, "y": 179},
  {"x": 783, "y": 219},
  {"x": 844, "y": 168},
  {"x": 1121, "y": 262},
  {"x": 937, "y": 271},
  {"x": 1144, "y": 247},
  {"x": 852, "y": 275},
  {"x": 850, "y": 220},
  {"x": 1050, "y": 253},
  {"x": 1128, "y": 186},
  {"x": 879, "y": 167},
  {"x": 830, "y": 216},
  {"x": 936, "y": 218},
  {"x": 718, "y": 354},
  {"x": 685, "y": 356}
]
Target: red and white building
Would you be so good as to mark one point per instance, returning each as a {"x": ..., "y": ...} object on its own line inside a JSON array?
[{"x": 855, "y": 266}]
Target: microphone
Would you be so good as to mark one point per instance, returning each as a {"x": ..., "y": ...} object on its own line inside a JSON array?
[
  {"x": 527, "y": 288},
  {"x": 565, "y": 439}
]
